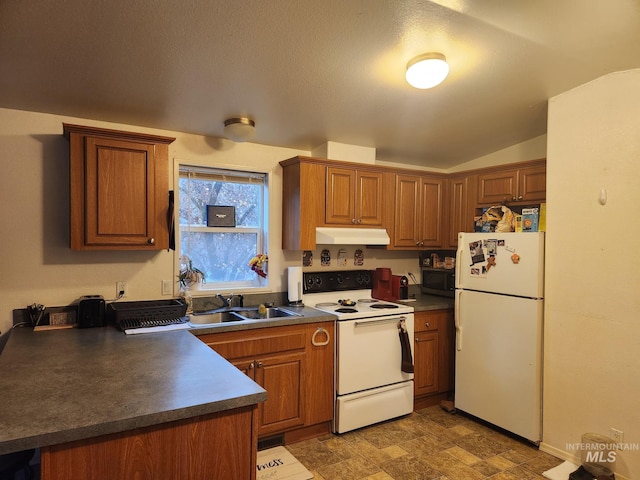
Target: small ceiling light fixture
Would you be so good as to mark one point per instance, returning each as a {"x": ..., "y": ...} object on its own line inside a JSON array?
[
  {"x": 427, "y": 70},
  {"x": 239, "y": 129}
]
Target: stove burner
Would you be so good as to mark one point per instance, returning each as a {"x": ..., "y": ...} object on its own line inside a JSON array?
[
  {"x": 383, "y": 305},
  {"x": 326, "y": 304},
  {"x": 346, "y": 310},
  {"x": 367, "y": 300}
]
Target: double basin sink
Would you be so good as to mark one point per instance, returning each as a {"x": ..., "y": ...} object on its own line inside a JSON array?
[{"x": 239, "y": 315}]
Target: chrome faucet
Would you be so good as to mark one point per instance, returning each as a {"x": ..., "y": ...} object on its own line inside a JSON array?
[{"x": 226, "y": 301}]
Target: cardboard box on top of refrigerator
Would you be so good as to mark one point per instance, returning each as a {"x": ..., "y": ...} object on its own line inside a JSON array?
[
  {"x": 542, "y": 223},
  {"x": 530, "y": 217},
  {"x": 517, "y": 223}
]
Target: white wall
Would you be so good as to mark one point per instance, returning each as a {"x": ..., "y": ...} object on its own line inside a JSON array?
[
  {"x": 592, "y": 314},
  {"x": 532, "y": 149}
]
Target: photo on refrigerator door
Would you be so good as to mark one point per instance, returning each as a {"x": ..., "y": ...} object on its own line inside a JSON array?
[{"x": 477, "y": 254}]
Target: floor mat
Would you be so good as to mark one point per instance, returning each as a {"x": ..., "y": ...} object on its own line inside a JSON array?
[
  {"x": 561, "y": 472},
  {"x": 278, "y": 464}
]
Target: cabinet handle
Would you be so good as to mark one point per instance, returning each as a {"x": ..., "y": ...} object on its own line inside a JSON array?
[
  {"x": 251, "y": 365},
  {"x": 315, "y": 343},
  {"x": 520, "y": 197},
  {"x": 151, "y": 241},
  {"x": 427, "y": 324},
  {"x": 259, "y": 364},
  {"x": 359, "y": 221},
  {"x": 353, "y": 220}
]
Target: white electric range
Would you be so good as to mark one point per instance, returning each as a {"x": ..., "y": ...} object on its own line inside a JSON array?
[{"x": 371, "y": 385}]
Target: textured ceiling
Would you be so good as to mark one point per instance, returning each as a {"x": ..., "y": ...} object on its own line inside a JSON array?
[{"x": 310, "y": 71}]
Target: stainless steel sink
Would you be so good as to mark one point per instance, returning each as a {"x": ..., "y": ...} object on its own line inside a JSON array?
[
  {"x": 214, "y": 317},
  {"x": 239, "y": 315},
  {"x": 272, "y": 312}
]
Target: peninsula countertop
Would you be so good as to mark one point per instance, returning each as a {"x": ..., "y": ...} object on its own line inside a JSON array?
[{"x": 63, "y": 385}]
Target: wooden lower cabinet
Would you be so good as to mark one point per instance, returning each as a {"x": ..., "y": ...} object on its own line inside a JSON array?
[
  {"x": 218, "y": 445},
  {"x": 434, "y": 345},
  {"x": 294, "y": 364}
]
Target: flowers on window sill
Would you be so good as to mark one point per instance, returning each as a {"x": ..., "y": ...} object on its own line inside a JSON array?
[
  {"x": 259, "y": 264},
  {"x": 189, "y": 275}
]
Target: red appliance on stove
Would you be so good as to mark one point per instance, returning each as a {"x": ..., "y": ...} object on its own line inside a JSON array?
[
  {"x": 382, "y": 284},
  {"x": 389, "y": 287},
  {"x": 400, "y": 287}
]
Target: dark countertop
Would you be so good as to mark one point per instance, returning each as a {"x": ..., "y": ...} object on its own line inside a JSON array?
[
  {"x": 430, "y": 302},
  {"x": 64, "y": 385}
]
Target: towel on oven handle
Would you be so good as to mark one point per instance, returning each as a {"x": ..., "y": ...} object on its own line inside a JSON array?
[{"x": 405, "y": 345}]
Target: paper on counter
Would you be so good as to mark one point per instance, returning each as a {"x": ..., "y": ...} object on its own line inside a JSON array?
[{"x": 163, "y": 328}]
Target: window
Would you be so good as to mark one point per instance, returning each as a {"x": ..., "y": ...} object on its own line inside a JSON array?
[{"x": 223, "y": 253}]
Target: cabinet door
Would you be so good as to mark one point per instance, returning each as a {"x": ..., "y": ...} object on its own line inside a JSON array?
[
  {"x": 431, "y": 212},
  {"x": 446, "y": 362},
  {"x": 283, "y": 377},
  {"x": 497, "y": 187},
  {"x": 457, "y": 209},
  {"x": 320, "y": 366},
  {"x": 426, "y": 353},
  {"x": 340, "y": 196},
  {"x": 119, "y": 189},
  {"x": 407, "y": 212},
  {"x": 368, "y": 200},
  {"x": 418, "y": 214},
  {"x": 532, "y": 184},
  {"x": 434, "y": 352},
  {"x": 119, "y": 192}
]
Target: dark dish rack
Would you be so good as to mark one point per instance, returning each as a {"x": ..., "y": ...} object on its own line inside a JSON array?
[{"x": 149, "y": 313}]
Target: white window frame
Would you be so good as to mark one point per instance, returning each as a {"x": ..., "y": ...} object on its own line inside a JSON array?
[{"x": 259, "y": 284}]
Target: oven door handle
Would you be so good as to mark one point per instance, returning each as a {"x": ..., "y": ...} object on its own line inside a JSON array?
[{"x": 380, "y": 320}]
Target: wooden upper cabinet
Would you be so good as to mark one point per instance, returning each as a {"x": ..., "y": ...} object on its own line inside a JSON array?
[
  {"x": 525, "y": 184},
  {"x": 353, "y": 197},
  {"x": 458, "y": 212},
  {"x": 320, "y": 192},
  {"x": 532, "y": 183},
  {"x": 418, "y": 211},
  {"x": 119, "y": 189},
  {"x": 303, "y": 202}
]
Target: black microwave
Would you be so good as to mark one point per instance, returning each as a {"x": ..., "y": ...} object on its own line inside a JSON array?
[{"x": 438, "y": 281}]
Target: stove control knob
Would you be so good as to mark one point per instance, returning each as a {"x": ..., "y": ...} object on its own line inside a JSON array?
[{"x": 339, "y": 279}]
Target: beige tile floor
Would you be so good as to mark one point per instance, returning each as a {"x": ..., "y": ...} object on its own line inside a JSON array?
[{"x": 430, "y": 444}]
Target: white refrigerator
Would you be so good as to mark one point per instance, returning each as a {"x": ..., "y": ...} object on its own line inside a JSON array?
[{"x": 499, "y": 320}]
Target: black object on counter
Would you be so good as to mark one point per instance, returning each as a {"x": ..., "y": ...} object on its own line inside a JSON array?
[{"x": 91, "y": 311}]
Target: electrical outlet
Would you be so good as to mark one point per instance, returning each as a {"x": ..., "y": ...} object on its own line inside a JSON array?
[
  {"x": 167, "y": 287},
  {"x": 617, "y": 435},
  {"x": 121, "y": 287}
]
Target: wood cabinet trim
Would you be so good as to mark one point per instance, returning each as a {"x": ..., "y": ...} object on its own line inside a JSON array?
[{"x": 84, "y": 130}]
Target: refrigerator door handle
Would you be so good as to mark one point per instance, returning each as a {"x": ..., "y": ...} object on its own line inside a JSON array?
[
  {"x": 457, "y": 321},
  {"x": 459, "y": 268}
]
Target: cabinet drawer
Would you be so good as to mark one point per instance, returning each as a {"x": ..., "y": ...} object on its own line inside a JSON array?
[{"x": 238, "y": 347}]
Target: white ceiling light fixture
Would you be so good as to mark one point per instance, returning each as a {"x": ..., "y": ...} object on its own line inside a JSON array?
[
  {"x": 239, "y": 129},
  {"x": 427, "y": 70}
]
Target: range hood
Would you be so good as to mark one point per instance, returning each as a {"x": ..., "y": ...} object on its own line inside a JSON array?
[{"x": 351, "y": 236}]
